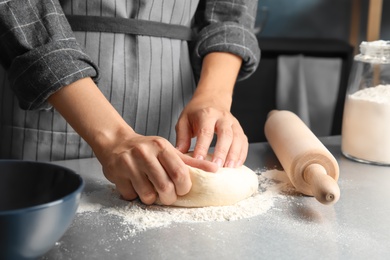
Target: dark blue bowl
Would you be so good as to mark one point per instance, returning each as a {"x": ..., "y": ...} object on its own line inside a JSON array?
[{"x": 38, "y": 202}]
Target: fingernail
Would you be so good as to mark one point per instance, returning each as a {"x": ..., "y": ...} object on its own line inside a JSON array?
[
  {"x": 179, "y": 147},
  {"x": 199, "y": 157},
  {"x": 218, "y": 161},
  {"x": 231, "y": 164}
]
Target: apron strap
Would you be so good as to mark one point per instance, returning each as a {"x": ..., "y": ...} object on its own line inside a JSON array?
[{"x": 129, "y": 26}]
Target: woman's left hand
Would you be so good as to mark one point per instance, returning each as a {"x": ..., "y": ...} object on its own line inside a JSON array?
[
  {"x": 208, "y": 113},
  {"x": 203, "y": 121}
]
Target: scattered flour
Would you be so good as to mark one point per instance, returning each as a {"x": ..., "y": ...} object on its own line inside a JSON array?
[
  {"x": 137, "y": 217},
  {"x": 366, "y": 125}
]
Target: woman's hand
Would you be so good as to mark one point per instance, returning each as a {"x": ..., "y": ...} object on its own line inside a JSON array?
[
  {"x": 138, "y": 165},
  {"x": 208, "y": 113},
  {"x": 149, "y": 167},
  {"x": 203, "y": 120}
]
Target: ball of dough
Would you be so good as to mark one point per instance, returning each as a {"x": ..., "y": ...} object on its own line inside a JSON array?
[{"x": 225, "y": 187}]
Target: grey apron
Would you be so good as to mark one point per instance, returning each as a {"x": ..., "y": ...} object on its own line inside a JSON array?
[{"x": 147, "y": 78}]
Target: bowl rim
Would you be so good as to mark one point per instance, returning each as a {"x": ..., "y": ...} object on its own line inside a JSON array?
[{"x": 51, "y": 203}]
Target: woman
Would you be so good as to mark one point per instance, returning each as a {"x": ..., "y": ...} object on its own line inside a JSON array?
[{"x": 52, "y": 109}]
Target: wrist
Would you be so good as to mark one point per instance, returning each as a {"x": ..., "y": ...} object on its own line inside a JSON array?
[
  {"x": 217, "y": 79},
  {"x": 107, "y": 138},
  {"x": 211, "y": 97},
  {"x": 91, "y": 115}
]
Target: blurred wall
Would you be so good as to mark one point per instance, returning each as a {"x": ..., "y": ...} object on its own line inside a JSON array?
[{"x": 316, "y": 18}]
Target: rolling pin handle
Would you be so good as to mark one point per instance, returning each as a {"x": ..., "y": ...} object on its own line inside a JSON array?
[
  {"x": 270, "y": 113},
  {"x": 323, "y": 186}
]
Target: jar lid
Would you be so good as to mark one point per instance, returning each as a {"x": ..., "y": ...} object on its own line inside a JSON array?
[{"x": 374, "y": 52}]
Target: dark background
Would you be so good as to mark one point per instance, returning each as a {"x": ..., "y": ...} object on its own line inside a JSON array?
[{"x": 317, "y": 28}]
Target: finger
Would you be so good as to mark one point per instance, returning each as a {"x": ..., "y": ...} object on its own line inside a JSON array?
[
  {"x": 135, "y": 179},
  {"x": 144, "y": 188},
  {"x": 183, "y": 136},
  {"x": 122, "y": 182},
  {"x": 201, "y": 164},
  {"x": 204, "y": 136},
  {"x": 161, "y": 182},
  {"x": 244, "y": 152},
  {"x": 238, "y": 149},
  {"x": 224, "y": 141},
  {"x": 177, "y": 171},
  {"x": 125, "y": 188}
]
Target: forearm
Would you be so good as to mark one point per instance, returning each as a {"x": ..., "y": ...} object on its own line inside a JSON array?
[
  {"x": 217, "y": 79},
  {"x": 92, "y": 116}
]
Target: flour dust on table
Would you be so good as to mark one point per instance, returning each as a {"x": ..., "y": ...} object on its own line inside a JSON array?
[{"x": 136, "y": 217}]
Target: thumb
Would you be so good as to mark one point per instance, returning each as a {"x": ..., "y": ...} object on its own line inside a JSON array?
[{"x": 200, "y": 164}]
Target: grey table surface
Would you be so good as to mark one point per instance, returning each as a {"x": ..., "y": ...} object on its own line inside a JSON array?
[{"x": 356, "y": 227}]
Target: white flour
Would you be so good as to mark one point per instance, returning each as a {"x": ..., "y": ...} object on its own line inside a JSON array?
[
  {"x": 136, "y": 217},
  {"x": 375, "y": 51},
  {"x": 366, "y": 125}
]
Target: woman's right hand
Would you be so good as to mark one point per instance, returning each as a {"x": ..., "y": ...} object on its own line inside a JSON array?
[{"x": 149, "y": 167}]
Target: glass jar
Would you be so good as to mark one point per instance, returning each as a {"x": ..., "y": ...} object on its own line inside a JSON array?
[{"x": 365, "y": 133}]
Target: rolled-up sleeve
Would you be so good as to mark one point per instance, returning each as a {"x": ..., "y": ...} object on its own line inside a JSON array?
[
  {"x": 39, "y": 50},
  {"x": 227, "y": 26}
]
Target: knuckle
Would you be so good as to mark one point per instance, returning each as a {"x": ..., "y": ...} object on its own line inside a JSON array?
[
  {"x": 127, "y": 193},
  {"x": 165, "y": 187},
  {"x": 178, "y": 175},
  {"x": 206, "y": 131},
  {"x": 142, "y": 150},
  {"x": 129, "y": 196},
  {"x": 227, "y": 132},
  {"x": 160, "y": 143},
  {"x": 206, "y": 110},
  {"x": 239, "y": 133},
  {"x": 139, "y": 150},
  {"x": 148, "y": 197}
]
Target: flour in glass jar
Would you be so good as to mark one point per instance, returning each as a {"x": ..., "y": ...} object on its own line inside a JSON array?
[
  {"x": 366, "y": 125},
  {"x": 137, "y": 217}
]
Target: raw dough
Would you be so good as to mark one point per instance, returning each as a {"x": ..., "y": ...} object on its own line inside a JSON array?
[{"x": 225, "y": 187}]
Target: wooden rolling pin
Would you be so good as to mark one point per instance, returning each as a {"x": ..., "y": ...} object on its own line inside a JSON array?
[{"x": 311, "y": 168}]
